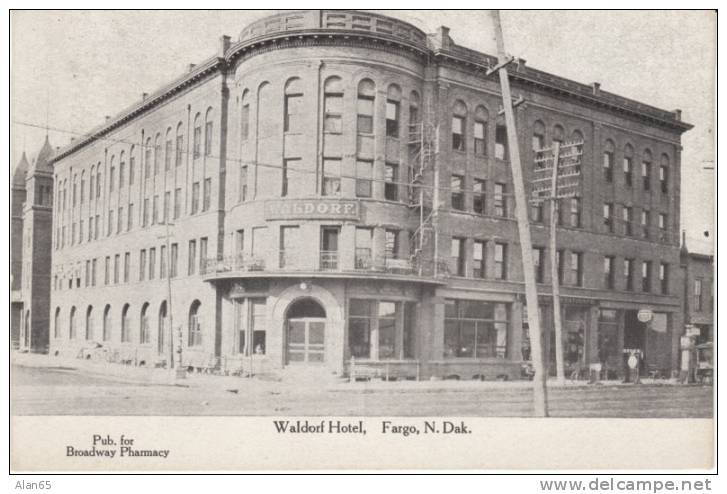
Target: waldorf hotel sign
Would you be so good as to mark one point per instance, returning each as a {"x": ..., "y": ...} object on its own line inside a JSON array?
[{"x": 312, "y": 209}]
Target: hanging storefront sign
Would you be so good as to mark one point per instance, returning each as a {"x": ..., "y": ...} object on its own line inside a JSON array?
[{"x": 645, "y": 315}]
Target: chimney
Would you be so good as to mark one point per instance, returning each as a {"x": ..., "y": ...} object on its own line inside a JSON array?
[
  {"x": 521, "y": 62},
  {"x": 443, "y": 37},
  {"x": 596, "y": 88},
  {"x": 144, "y": 96},
  {"x": 224, "y": 44},
  {"x": 678, "y": 114},
  {"x": 191, "y": 67}
]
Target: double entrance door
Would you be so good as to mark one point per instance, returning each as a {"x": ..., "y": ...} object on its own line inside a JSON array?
[{"x": 306, "y": 340}]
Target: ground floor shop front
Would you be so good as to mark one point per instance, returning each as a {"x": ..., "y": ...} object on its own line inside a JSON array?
[{"x": 362, "y": 328}]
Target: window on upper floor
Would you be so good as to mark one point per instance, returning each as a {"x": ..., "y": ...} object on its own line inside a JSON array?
[
  {"x": 539, "y": 262},
  {"x": 501, "y": 147},
  {"x": 646, "y": 171},
  {"x": 457, "y": 266},
  {"x": 608, "y": 216},
  {"x": 459, "y": 122},
  {"x": 664, "y": 277},
  {"x": 500, "y": 261},
  {"x": 294, "y": 110},
  {"x": 500, "y": 200},
  {"x": 664, "y": 174},
  {"x": 608, "y": 272},
  {"x": 608, "y": 160},
  {"x": 168, "y": 150},
  {"x": 197, "y": 137},
  {"x": 393, "y": 102},
  {"x": 480, "y": 130},
  {"x": 479, "y": 197},
  {"x": 576, "y": 267},
  {"x": 364, "y": 178},
  {"x": 628, "y": 165},
  {"x": 365, "y": 106},
  {"x": 179, "y": 146},
  {"x": 333, "y": 105},
  {"x": 478, "y": 259},
  {"x": 331, "y": 177},
  {"x": 457, "y": 192},
  {"x": 245, "y": 115},
  {"x": 208, "y": 134},
  {"x": 391, "y": 182}
]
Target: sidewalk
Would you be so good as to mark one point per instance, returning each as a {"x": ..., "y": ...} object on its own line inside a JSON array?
[{"x": 165, "y": 377}]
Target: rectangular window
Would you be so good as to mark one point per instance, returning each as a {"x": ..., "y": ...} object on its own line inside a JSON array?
[
  {"x": 457, "y": 192},
  {"x": 333, "y": 109},
  {"x": 196, "y": 143},
  {"x": 628, "y": 171},
  {"x": 501, "y": 150},
  {"x": 479, "y": 199},
  {"x": 391, "y": 185},
  {"x": 698, "y": 283},
  {"x": 629, "y": 273},
  {"x": 109, "y": 229},
  {"x": 93, "y": 272},
  {"x": 478, "y": 259},
  {"x": 178, "y": 151},
  {"x": 360, "y": 327},
  {"x": 392, "y": 118},
  {"x": 195, "y": 198},
  {"x": 127, "y": 266},
  {"x": 364, "y": 176},
  {"x": 132, "y": 163},
  {"x": 242, "y": 186},
  {"x": 475, "y": 329},
  {"x": 293, "y": 113},
  {"x": 458, "y": 126},
  {"x": 206, "y": 194},
  {"x": 646, "y": 276},
  {"x": 664, "y": 277},
  {"x": 391, "y": 244},
  {"x": 457, "y": 265},
  {"x": 627, "y": 218},
  {"x": 87, "y": 278},
  {"x": 107, "y": 270},
  {"x": 177, "y": 202},
  {"x": 664, "y": 179},
  {"x": 608, "y": 166},
  {"x": 157, "y": 156},
  {"x": 191, "y": 257},
  {"x": 364, "y": 241},
  {"x": 258, "y": 325},
  {"x": 155, "y": 211},
  {"x": 576, "y": 267},
  {"x": 500, "y": 200},
  {"x": 480, "y": 139},
  {"x": 500, "y": 261},
  {"x": 331, "y": 177},
  {"x": 662, "y": 221},
  {"x": 575, "y": 212},
  {"x": 645, "y": 222},
  {"x": 120, "y": 220},
  {"x": 387, "y": 321},
  {"x": 145, "y": 213},
  {"x": 174, "y": 255},
  {"x": 646, "y": 175},
  {"x": 608, "y": 263},
  {"x": 152, "y": 263},
  {"x": 90, "y": 230},
  {"x": 538, "y": 260},
  {"x": 117, "y": 262},
  {"x": 142, "y": 264},
  {"x": 167, "y": 204},
  {"x": 365, "y": 120},
  {"x": 208, "y": 134},
  {"x": 239, "y": 242},
  {"x": 329, "y": 247},
  {"x": 203, "y": 255},
  {"x": 80, "y": 230},
  {"x": 536, "y": 212}
]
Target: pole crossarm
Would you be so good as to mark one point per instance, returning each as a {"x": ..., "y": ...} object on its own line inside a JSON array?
[{"x": 500, "y": 65}]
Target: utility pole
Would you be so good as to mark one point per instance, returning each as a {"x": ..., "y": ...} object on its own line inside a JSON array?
[
  {"x": 567, "y": 158},
  {"x": 179, "y": 372},
  {"x": 540, "y": 399}
]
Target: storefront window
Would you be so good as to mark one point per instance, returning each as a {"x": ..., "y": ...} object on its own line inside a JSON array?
[
  {"x": 474, "y": 329},
  {"x": 378, "y": 330},
  {"x": 608, "y": 353},
  {"x": 258, "y": 324},
  {"x": 251, "y": 326},
  {"x": 359, "y": 328},
  {"x": 387, "y": 329},
  {"x": 574, "y": 327}
]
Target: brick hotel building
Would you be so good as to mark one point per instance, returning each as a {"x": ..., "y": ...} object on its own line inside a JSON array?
[{"x": 331, "y": 192}]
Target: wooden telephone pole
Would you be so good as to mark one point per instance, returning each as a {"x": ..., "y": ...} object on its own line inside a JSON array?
[{"x": 540, "y": 399}]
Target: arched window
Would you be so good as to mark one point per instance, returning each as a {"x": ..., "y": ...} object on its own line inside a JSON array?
[
  {"x": 333, "y": 105},
  {"x": 122, "y": 170},
  {"x": 144, "y": 324},
  {"x": 664, "y": 174},
  {"x": 646, "y": 170},
  {"x": 157, "y": 152},
  {"x": 56, "y": 323},
  {"x": 148, "y": 156},
  {"x": 132, "y": 163},
  {"x": 459, "y": 125},
  {"x": 83, "y": 185},
  {"x": 168, "y": 150},
  {"x": 208, "y": 132},
  {"x": 91, "y": 187},
  {"x": 72, "y": 324},
  {"x": 609, "y": 149},
  {"x": 628, "y": 164},
  {"x": 245, "y": 115},
  {"x": 89, "y": 323},
  {"x": 125, "y": 324},
  {"x": 112, "y": 173},
  {"x": 293, "y": 106},
  {"x": 481, "y": 118},
  {"x": 195, "y": 330},
  {"x": 393, "y": 102},
  {"x": 365, "y": 107},
  {"x": 179, "y": 145},
  {"x": 98, "y": 180},
  {"x": 162, "y": 327},
  {"x": 558, "y": 134},
  {"x": 107, "y": 323},
  {"x": 414, "y": 104},
  {"x": 197, "y": 136},
  {"x": 577, "y": 138}
]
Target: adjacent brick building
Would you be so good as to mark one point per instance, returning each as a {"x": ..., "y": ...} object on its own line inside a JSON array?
[{"x": 339, "y": 198}]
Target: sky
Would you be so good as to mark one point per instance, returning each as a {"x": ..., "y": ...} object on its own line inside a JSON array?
[{"x": 70, "y": 69}]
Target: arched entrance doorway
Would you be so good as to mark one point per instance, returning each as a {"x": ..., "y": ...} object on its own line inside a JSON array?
[{"x": 305, "y": 323}]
